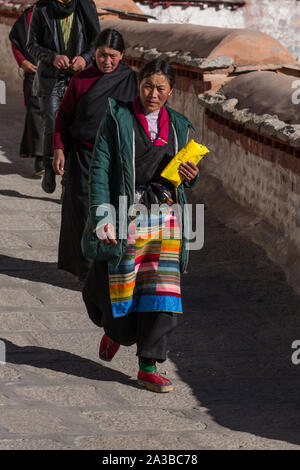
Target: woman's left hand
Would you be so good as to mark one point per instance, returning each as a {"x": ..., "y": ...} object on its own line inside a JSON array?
[
  {"x": 58, "y": 162},
  {"x": 189, "y": 170}
]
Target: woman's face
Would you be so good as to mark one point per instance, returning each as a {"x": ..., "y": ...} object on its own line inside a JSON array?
[
  {"x": 154, "y": 92},
  {"x": 107, "y": 59}
]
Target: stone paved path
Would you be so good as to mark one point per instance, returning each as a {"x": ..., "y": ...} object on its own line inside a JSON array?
[{"x": 230, "y": 359}]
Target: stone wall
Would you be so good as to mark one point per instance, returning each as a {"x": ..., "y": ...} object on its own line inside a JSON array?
[
  {"x": 9, "y": 70},
  {"x": 253, "y": 183},
  {"x": 279, "y": 18},
  {"x": 256, "y": 173}
]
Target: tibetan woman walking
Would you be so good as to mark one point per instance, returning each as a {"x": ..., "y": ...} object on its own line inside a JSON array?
[
  {"x": 133, "y": 287},
  {"x": 80, "y": 113},
  {"x": 32, "y": 139}
]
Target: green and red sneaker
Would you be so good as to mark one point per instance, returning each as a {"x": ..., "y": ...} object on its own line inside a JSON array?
[{"x": 150, "y": 378}]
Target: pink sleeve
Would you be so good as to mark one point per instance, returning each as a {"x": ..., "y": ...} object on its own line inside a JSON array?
[{"x": 17, "y": 54}]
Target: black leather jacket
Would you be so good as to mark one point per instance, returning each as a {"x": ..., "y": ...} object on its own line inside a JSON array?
[{"x": 43, "y": 42}]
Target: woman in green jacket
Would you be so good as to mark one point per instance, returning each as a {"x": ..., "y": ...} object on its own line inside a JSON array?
[{"x": 133, "y": 287}]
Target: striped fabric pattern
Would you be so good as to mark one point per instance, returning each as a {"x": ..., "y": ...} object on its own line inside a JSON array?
[{"x": 148, "y": 277}]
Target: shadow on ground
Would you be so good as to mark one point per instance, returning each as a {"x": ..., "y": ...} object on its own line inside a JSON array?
[
  {"x": 17, "y": 165},
  {"x": 233, "y": 346},
  {"x": 38, "y": 271},
  {"x": 12, "y": 193},
  {"x": 63, "y": 361}
]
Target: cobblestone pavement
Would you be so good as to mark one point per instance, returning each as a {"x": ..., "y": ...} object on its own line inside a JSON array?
[{"x": 230, "y": 358}]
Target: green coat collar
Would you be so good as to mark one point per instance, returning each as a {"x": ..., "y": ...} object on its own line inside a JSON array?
[{"x": 120, "y": 111}]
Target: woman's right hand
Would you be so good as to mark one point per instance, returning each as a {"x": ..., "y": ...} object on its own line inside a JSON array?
[
  {"x": 28, "y": 67},
  {"x": 58, "y": 163},
  {"x": 106, "y": 234}
]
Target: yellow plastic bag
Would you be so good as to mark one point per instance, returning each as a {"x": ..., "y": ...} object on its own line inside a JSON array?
[{"x": 193, "y": 152}]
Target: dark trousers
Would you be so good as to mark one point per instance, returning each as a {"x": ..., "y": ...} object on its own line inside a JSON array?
[{"x": 49, "y": 107}]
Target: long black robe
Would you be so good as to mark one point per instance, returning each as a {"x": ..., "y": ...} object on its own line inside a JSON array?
[
  {"x": 91, "y": 108},
  {"x": 32, "y": 139}
]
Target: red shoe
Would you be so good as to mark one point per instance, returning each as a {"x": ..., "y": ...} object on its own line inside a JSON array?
[
  {"x": 108, "y": 348},
  {"x": 154, "y": 381}
]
